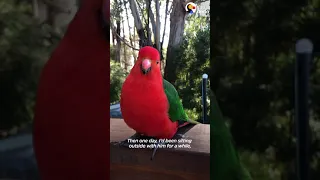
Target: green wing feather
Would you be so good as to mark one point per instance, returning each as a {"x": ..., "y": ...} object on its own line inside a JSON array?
[
  {"x": 176, "y": 111},
  {"x": 225, "y": 161}
]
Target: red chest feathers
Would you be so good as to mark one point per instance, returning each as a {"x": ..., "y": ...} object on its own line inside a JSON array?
[{"x": 144, "y": 107}]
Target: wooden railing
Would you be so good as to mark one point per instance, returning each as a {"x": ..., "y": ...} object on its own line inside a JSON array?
[{"x": 168, "y": 164}]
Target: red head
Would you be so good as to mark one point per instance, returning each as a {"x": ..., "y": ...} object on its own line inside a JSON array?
[{"x": 148, "y": 63}]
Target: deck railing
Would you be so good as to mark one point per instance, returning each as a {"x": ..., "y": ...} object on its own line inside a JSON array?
[{"x": 169, "y": 164}]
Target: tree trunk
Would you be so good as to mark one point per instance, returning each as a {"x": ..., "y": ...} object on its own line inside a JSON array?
[
  {"x": 165, "y": 22},
  {"x": 40, "y": 10},
  {"x": 153, "y": 22},
  {"x": 35, "y": 8},
  {"x": 130, "y": 35},
  {"x": 113, "y": 33},
  {"x": 61, "y": 12},
  {"x": 177, "y": 22},
  {"x": 158, "y": 25},
  {"x": 125, "y": 56},
  {"x": 118, "y": 46},
  {"x": 138, "y": 24},
  {"x": 134, "y": 43},
  {"x": 163, "y": 34},
  {"x": 117, "y": 18}
]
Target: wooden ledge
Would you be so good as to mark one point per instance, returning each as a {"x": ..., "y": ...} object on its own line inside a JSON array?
[{"x": 169, "y": 164}]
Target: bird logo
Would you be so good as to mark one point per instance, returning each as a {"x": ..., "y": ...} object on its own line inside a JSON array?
[{"x": 191, "y": 8}]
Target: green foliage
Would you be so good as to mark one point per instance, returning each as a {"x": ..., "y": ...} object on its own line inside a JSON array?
[
  {"x": 117, "y": 77},
  {"x": 193, "y": 61},
  {"x": 24, "y": 47},
  {"x": 253, "y": 76},
  {"x": 193, "y": 114},
  {"x": 262, "y": 166}
]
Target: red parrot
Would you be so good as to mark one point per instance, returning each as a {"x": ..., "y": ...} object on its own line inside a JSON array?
[
  {"x": 149, "y": 104},
  {"x": 71, "y": 123}
]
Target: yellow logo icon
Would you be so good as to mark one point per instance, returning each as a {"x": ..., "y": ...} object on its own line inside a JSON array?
[{"x": 191, "y": 7}]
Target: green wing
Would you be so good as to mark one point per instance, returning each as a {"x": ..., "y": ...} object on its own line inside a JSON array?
[
  {"x": 176, "y": 111},
  {"x": 225, "y": 161}
]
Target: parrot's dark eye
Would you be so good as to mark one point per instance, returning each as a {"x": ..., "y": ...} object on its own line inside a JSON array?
[{"x": 157, "y": 62}]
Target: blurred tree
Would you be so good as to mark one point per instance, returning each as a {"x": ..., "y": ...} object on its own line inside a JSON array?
[
  {"x": 24, "y": 47},
  {"x": 57, "y": 13}
]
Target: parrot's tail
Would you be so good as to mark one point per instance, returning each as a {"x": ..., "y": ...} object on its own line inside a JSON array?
[
  {"x": 186, "y": 122},
  {"x": 184, "y": 127},
  {"x": 182, "y": 124}
]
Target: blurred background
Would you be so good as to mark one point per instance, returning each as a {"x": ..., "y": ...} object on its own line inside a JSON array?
[
  {"x": 29, "y": 32},
  {"x": 253, "y": 77},
  {"x": 251, "y": 72}
]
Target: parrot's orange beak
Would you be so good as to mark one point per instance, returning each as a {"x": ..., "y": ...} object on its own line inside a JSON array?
[{"x": 146, "y": 66}]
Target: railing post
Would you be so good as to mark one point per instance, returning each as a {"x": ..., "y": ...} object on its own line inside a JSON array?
[
  {"x": 204, "y": 98},
  {"x": 304, "y": 48}
]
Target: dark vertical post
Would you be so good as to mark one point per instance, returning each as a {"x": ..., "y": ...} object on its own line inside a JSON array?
[
  {"x": 304, "y": 50},
  {"x": 204, "y": 98}
]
